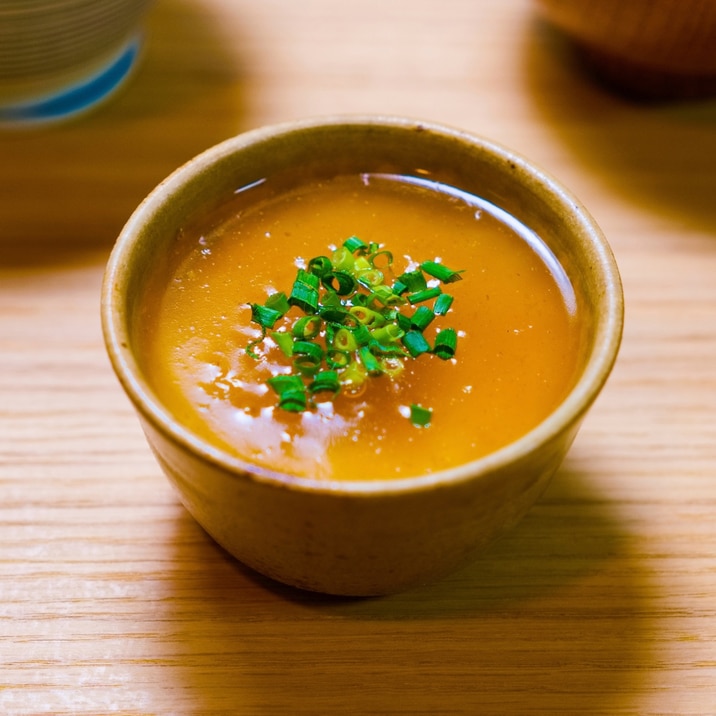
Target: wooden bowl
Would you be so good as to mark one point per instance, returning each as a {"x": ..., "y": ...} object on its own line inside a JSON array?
[
  {"x": 658, "y": 49},
  {"x": 363, "y": 537}
]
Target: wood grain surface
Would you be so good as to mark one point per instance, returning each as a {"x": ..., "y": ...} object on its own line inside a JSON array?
[{"x": 112, "y": 600}]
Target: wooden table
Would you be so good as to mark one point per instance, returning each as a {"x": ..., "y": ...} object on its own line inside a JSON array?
[{"x": 603, "y": 600}]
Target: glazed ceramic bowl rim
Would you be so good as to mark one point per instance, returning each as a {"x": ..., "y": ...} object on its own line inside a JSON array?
[{"x": 570, "y": 411}]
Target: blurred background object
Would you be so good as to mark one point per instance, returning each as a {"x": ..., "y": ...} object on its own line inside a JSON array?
[
  {"x": 59, "y": 58},
  {"x": 648, "y": 49}
]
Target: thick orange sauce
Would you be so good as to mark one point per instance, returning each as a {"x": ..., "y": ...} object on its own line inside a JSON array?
[{"x": 514, "y": 309}]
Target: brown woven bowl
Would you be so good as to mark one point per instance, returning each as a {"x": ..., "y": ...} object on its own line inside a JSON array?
[{"x": 658, "y": 49}]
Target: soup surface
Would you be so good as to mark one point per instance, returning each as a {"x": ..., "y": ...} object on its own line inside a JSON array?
[{"x": 513, "y": 313}]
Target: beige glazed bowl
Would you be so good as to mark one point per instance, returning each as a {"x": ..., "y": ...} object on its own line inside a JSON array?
[{"x": 363, "y": 537}]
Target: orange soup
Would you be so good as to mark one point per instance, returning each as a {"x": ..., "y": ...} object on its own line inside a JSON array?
[{"x": 511, "y": 317}]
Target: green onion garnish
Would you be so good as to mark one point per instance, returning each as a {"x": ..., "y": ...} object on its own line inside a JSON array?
[
  {"x": 356, "y": 324},
  {"x": 284, "y": 341},
  {"x": 361, "y": 334},
  {"x": 385, "y": 296},
  {"x": 420, "y": 416},
  {"x": 325, "y": 381},
  {"x": 415, "y": 343},
  {"x": 307, "y": 327},
  {"x": 355, "y": 244},
  {"x": 340, "y": 282},
  {"x": 422, "y": 318},
  {"x": 291, "y": 392},
  {"x": 387, "y": 335},
  {"x": 367, "y": 316},
  {"x": 304, "y": 293},
  {"x": 413, "y": 280},
  {"x": 440, "y": 272},
  {"x": 344, "y": 340},
  {"x": 425, "y": 295},
  {"x": 337, "y": 358},
  {"x": 442, "y": 304},
  {"x": 320, "y": 266},
  {"x": 307, "y": 348},
  {"x": 334, "y": 314},
  {"x": 381, "y": 259},
  {"x": 369, "y": 361},
  {"x": 264, "y": 315},
  {"x": 445, "y": 344}
]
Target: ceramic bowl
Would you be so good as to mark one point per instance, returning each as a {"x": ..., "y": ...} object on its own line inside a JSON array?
[
  {"x": 650, "y": 49},
  {"x": 374, "y": 536},
  {"x": 59, "y": 58}
]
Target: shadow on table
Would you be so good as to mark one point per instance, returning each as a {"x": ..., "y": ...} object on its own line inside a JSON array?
[
  {"x": 71, "y": 187},
  {"x": 662, "y": 156},
  {"x": 552, "y": 618}
]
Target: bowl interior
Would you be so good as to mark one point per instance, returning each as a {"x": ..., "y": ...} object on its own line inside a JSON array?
[{"x": 318, "y": 148}]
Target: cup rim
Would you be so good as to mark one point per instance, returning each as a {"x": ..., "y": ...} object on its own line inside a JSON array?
[{"x": 569, "y": 412}]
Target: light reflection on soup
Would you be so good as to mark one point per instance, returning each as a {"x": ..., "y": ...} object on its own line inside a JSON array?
[{"x": 515, "y": 312}]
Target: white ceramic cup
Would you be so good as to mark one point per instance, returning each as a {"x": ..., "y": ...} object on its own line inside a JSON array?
[{"x": 59, "y": 58}]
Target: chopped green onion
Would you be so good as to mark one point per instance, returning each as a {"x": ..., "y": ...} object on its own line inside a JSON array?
[
  {"x": 320, "y": 266},
  {"x": 403, "y": 322},
  {"x": 304, "y": 293},
  {"x": 307, "y": 327},
  {"x": 334, "y": 314},
  {"x": 353, "y": 377},
  {"x": 278, "y": 302},
  {"x": 388, "y": 350},
  {"x": 331, "y": 299},
  {"x": 257, "y": 341},
  {"x": 284, "y": 341},
  {"x": 344, "y": 340},
  {"x": 361, "y": 264},
  {"x": 291, "y": 392},
  {"x": 442, "y": 304},
  {"x": 440, "y": 272},
  {"x": 282, "y": 383},
  {"x": 424, "y": 295},
  {"x": 352, "y": 326},
  {"x": 420, "y": 416},
  {"x": 413, "y": 280},
  {"x": 386, "y": 259},
  {"x": 392, "y": 366},
  {"x": 369, "y": 360},
  {"x": 367, "y": 316},
  {"x": 422, "y": 318},
  {"x": 385, "y": 296},
  {"x": 307, "y": 357},
  {"x": 337, "y": 359},
  {"x": 445, "y": 343},
  {"x": 399, "y": 288},
  {"x": 265, "y": 316},
  {"x": 354, "y": 244},
  {"x": 343, "y": 259},
  {"x": 342, "y": 283},
  {"x": 306, "y": 348},
  {"x": 371, "y": 278},
  {"x": 325, "y": 381},
  {"x": 361, "y": 334},
  {"x": 415, "y": 343},
  {"x": 388, "y": 334},
  {"x": 306, "y": 365}
]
